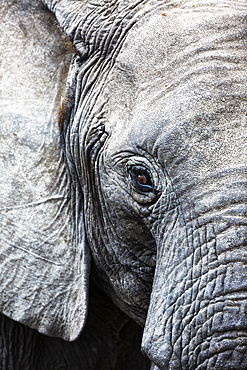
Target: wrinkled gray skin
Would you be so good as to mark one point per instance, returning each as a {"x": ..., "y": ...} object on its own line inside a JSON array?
[{"x": 152, "y": 185}]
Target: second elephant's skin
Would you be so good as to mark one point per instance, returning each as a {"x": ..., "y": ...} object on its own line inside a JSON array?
[{"x": 124, "y": 237}]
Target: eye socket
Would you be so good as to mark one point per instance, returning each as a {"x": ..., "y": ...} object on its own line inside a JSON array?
[{"x": 141, "y": 179}]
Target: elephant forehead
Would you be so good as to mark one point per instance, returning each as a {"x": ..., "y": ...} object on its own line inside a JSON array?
[
  {"x": 161, "y": 46},
  {"x": 178, "y": 87},
  {"x": 183, "y": 139}
]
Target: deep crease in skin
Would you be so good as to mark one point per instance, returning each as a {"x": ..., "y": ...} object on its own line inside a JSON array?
[{"x": 93, "y": 160}]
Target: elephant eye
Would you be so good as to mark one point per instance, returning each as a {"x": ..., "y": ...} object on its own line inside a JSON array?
[{"x": 140, "y": 179}]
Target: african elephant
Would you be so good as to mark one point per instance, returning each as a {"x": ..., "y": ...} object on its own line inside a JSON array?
[{"x": 123, "y": 158}]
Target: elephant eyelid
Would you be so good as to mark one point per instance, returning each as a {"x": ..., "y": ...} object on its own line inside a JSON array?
[{"x": 140, "y": 179}]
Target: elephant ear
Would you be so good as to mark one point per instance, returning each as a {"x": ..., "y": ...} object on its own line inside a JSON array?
[{"x": 44, "y": 259}]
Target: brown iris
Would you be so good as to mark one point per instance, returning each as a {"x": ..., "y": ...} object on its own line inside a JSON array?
[{"x": 142, "y": 179}]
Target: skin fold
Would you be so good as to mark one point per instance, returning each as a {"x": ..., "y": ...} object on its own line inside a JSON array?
[{"x": 153, "y": 152}]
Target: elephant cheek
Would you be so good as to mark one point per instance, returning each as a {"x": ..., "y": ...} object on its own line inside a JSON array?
[{"x": 197, "y": 317}]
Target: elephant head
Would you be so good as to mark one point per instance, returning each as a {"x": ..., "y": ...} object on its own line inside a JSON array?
[{"x": 151, "y": 183}]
